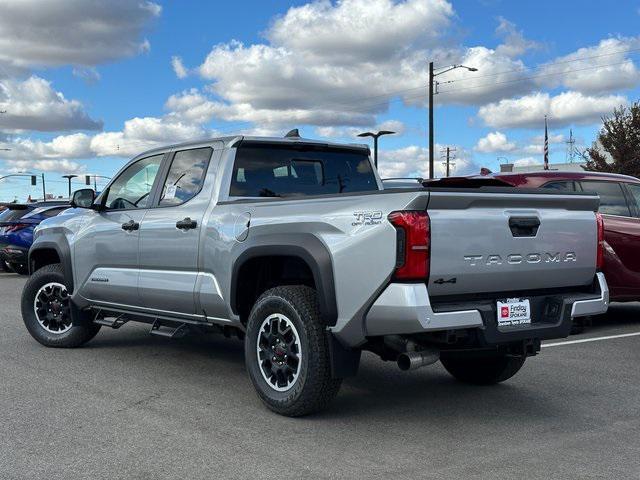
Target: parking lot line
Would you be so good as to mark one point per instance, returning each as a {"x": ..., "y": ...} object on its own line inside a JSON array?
[{"x": 596, "y": 339}]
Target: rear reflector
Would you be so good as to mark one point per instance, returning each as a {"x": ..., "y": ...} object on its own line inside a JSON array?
[
  {"x": 600, "y": 247},
  {"x": 413, "y": 244}
]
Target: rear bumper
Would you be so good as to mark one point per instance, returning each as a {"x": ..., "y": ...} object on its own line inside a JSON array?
[{"x": 406, "y": 309}]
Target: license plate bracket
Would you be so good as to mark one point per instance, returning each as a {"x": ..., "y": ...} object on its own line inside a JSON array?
[{"x": 513, "y": 311}]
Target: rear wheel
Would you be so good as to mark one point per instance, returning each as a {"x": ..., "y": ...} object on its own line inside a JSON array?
[
  {"x": 287, "y": 354},
  {"x": 483, "y": 370},
  {"x": 46, "y": 310}
]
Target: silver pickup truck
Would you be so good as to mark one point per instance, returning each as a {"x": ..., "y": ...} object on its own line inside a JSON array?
[{"x": 294, "y": 246}]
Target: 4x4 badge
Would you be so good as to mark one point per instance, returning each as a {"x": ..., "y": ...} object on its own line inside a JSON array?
[{"x": 442, "y": 281}]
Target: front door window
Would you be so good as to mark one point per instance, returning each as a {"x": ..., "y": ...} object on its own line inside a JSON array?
[{"x": 132, "y": 188}]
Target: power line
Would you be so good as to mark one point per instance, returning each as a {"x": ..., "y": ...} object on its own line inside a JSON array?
[
  {"x": 546, "y": 65},
  {"x": 564, "y": 72}
]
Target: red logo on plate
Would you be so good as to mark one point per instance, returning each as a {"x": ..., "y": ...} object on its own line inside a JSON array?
[{"x": 504, "y": 312}]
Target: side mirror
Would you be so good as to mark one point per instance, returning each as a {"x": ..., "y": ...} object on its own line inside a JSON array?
[{"x": 83, "y": 198}]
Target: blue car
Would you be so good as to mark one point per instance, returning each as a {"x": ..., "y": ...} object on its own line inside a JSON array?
[{"x": 17, "y": 224}]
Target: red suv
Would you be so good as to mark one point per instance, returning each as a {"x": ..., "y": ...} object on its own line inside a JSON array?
[{"x": 620, "y": 209}]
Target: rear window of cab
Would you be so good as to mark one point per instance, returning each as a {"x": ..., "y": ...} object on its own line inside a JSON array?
[{"x": 276, "y": 171}]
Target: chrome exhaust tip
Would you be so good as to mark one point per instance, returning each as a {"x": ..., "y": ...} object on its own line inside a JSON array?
[{"x": 412, "y": 360}]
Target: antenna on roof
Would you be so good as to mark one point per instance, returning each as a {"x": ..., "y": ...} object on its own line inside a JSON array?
[{"x": 293, "y": 134}]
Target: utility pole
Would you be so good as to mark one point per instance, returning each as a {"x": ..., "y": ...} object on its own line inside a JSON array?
[
  {"x": 44, "y": 189},
  {"x": 431, "y": 78},
  {"x": 432, "y": 75},
  {"x": 449, "y": 154},
  {"x": 571, "y": 147}
]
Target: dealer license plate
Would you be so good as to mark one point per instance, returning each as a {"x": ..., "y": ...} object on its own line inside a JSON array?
[{"x": 513, "y": 311}]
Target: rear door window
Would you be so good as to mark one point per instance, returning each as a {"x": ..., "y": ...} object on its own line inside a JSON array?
[
  {"x": 634, "y": 189},
  {"x": 276, "y": 171},
  {"x": 186, "y": 176},
  {"x": 612, "y": 199}
]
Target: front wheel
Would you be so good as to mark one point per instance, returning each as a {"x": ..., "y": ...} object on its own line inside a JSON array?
[
  {"x": 483, "y": 370},
  {"x": 287, "y": 352},
  {"x": 46, "y": 310}
]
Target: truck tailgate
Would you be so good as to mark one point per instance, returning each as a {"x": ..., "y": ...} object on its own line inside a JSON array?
[{"x": 487, "y": 242}]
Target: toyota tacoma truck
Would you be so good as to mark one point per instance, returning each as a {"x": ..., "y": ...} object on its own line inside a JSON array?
[{"x": 295, "y": 246}]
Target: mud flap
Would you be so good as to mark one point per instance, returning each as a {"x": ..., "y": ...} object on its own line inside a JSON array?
[{"x": 344, "y": 361}]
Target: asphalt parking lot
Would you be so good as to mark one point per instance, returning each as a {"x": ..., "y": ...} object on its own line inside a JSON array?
[{"x": 130, "y": 405}]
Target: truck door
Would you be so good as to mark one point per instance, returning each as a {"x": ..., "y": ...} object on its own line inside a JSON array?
[
  {"x": 170, "y": 233},
  {"x": 106, "y": 247}
]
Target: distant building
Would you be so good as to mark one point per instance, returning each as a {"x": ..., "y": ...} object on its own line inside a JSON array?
[{"x": 564, "y": 167}]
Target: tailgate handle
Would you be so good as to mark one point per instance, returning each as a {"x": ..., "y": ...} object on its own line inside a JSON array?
[{"x": 524, "y": 226}]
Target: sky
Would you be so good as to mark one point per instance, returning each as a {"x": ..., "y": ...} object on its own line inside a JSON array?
[{"x": 86, "y": 85}]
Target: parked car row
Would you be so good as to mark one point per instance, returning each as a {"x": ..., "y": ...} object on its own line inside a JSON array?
[{"x": 17, "y": 223}]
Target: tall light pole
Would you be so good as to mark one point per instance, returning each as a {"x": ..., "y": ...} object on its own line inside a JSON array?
[
  {"x": 69, "y": 177},
  {"x": 432, "y": 75},
  {"x": 375, "y": 137}
]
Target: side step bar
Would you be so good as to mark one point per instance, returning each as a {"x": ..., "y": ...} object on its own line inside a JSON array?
[
  {"x": 114, "y": 323},
  {"x": 169, "y": 331}
]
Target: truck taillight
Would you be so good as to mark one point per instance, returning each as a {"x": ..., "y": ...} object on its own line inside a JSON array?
[
  {"x": 413, "y": 244},
  {"x": 600, "y": 252}
]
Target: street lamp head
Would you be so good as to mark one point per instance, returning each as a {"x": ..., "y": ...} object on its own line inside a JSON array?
[
  {"x": 385, "y": 132},
  {"x": 366, "y": 134},
  {"x": 472, "y": 69}
]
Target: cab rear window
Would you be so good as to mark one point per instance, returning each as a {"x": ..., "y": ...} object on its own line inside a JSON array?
[{"x": 275, "y": 171}]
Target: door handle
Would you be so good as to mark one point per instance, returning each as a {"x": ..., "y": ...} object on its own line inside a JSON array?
[
  {"x": 524, "y": 226},
  {"x": 130, "y": 226},
  {"x": 186, "y": 224}
]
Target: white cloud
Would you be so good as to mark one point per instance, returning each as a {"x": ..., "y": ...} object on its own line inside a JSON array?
[
  {"x": 361, "y": 30},
  {"x": 605, "y": 67},
  {"x": 527, "y": 162},
  {"x": 515, "y": 44},
  {"x": 89, "y": 74},
  {"x": 328, "y": 64},
  {"x": 191, "y": 106},
  {"x": 33, "y": 104},
  {"x": 65, "y": 166},
  {"x": 72, "y": 32},
  {"x": 178, "y": 67},
  {"x": 339, "y": 64},
  {"x": 508, "y": 77},
  {"x": 413, "y": 161},
  {"x": 352, "y": 132},
  {"x": 495, "y": 142},
  {"x": 140, "y": 134},
  {"x": 563, "y": 109}
]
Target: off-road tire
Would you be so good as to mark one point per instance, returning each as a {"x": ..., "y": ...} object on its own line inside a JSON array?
[
  {"x": 483, "y": 370},
  {"x": 76, "y": 336},
  {"x": 314, "y": 387}
]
